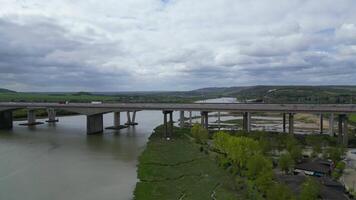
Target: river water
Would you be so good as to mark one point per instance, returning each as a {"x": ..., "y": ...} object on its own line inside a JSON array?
[{"x": 61, "y": 162}]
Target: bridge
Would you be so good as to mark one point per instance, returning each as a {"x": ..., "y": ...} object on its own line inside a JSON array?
[{"x": 94, "y": 113}]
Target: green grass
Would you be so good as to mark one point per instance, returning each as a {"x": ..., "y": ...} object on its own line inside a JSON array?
[{"x": 177, "y": 169}]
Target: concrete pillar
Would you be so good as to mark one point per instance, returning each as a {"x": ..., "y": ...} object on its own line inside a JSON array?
[
  {"x": 345, "y": 139},
  {"x": 284, "y": 122},
  {"x": 246, "y": 122},
  {"x": 128, "y": 118},
  {"x": 51, "y": 115},
  {"x": 6, "y": 120},
  {"x": 202, "y": 119},
  {"x": 219, "y": 120},
  {"x": 190, "y": 119},
  {"x": 117, "y": 119},
  {"x": 291, "y": 123},
  {"x": 206, "y": 117},
  {"x": 31, "y": 117},
  {"x": 95, "y": 124},
  {"x": 165, "y": 124},
  {"x": 133, "y": 121},
  {"x": 340, "y": 127},
  {"x": 171, "y": 123},
  {"x": 181, "y": 119},
  {"x": 331, "y": 124},
  {"x": 321, "y": 127}
]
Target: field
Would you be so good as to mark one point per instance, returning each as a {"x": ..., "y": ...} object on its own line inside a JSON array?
[{"x": 177, "y": 169}]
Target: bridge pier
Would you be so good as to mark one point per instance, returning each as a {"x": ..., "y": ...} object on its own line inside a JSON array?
[
  {"x": 6, "y": 120},
  {"x": 51, "y": 115},
  {"x": 190, "y": 119},
  {"x": 284, "y": 122},
  {"x": 117, "y": 122},
  {"x": 31, "y": 118},
  {"x": 246, "y": 122},
  {"x": 219, "y": 120},
  {"x": 331, "y": 124},
  {"x": 95, "y": 124},
  {"x": 321, "y": 128},
  {"x": 291, "y": 123},
  {"x": 131, "y": 121},
  {"x": 168, "y": 125},
  {"x": 181, "y": 119},
  {"x": 205, "y": 119},
  {"x": 343, "y": 130}
]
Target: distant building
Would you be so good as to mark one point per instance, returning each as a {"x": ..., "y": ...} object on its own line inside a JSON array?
[{"x": 316, "y": 167}]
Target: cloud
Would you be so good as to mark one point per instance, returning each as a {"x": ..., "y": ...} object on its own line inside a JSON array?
[{"x": 64, "y": 45}]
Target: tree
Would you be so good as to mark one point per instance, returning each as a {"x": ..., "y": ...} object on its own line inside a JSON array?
[
  {"x": 335, "y": 153},
  {"x": 310, "y": 190},
  {"x": 279, "y": 192},
  {"x": 200, "y": 134},
  {"x": 339, "y": 169},
  {"x": 296, "y": 153},
  {"x": 237, "y": 149},
  {"x": 257, "y": 165},
  {"x": 314, "y": 142},
  {"x": 286, "y": 163}
]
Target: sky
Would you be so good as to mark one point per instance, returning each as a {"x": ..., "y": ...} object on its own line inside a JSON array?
[{"x": 145, "y": 45}]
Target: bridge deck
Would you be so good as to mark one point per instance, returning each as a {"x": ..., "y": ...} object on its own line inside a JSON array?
[{"x": 236, "y": 107}]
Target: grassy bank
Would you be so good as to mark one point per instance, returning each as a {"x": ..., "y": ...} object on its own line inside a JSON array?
[{"x": 180, "y": 169}]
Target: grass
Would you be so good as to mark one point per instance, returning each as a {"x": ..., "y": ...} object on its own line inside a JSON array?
[{"x": 177, "y": 169}]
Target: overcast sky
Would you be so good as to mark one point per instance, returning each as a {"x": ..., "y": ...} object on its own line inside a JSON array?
[{"x": 121, "y": 45}]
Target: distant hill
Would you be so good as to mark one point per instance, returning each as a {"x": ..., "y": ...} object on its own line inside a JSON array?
[
  {"x": 286, "y": 94},
  {"x": 2, "y": 90}
]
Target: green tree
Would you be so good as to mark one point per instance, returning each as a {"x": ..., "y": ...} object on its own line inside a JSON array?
[
  {"x": 237, "y": 149},
  {"x": 339, "y": 169},
  {"x": 200, "y": 134},
  {"x": 310, "y": 190},
  {"x": 335, "y": 153},
  {"x": 316, "y": 143},
  {"x": 286, "y": 163},
  {"x": 291, "y": 142},
  {"x": 279, "y": 192},
  {"x": 257, "y": 165},
  {"x": 296, "y": 153}
]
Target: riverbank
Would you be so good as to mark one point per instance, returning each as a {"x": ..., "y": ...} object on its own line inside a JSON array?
[{"x": 180, "y": 169}]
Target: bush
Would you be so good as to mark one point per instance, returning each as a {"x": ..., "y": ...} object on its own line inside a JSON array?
[
  {"x": 200, "y": 134},
  {"x": 310, "y": 190},
  {"x": 279, "y": 192},
  {"x": 286, "y": 163}
]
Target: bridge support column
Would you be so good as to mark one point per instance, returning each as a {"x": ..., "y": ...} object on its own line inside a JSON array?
[
  {"x": 95, "y": 124},
  {"x": 51, "y": 115},
  {"x": 181, "y": 119},
  {"x": 131, "y": 121},
  {"x": 168, "y": 125},
  {"x": 291, "y": 123},
  {"x": 31, "y": 118},
  {"x": 219, "y": 120},
  {"x": 6, "y": 120},
  {"x": 190, "y": 119},
  {"x": 321, "y": 128},
  {"x": 284, "y": 122},
  {"x": 343, "y": 130},
  {"x": 345, "y": 138},
  {"x": 246, "y": 122},
  {"x": 205, "y": 119},
  {"x": 331, "y": 124},
  {"x": 117, "y": 122}
]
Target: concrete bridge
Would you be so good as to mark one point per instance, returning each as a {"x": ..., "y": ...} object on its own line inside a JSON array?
[{"x": 94, "y": 113}]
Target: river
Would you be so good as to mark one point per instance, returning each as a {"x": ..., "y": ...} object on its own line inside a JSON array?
[{"x": 61, "y": 162}]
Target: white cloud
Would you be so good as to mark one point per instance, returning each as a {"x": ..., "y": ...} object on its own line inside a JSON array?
[{"x": 177, "y": 44}]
